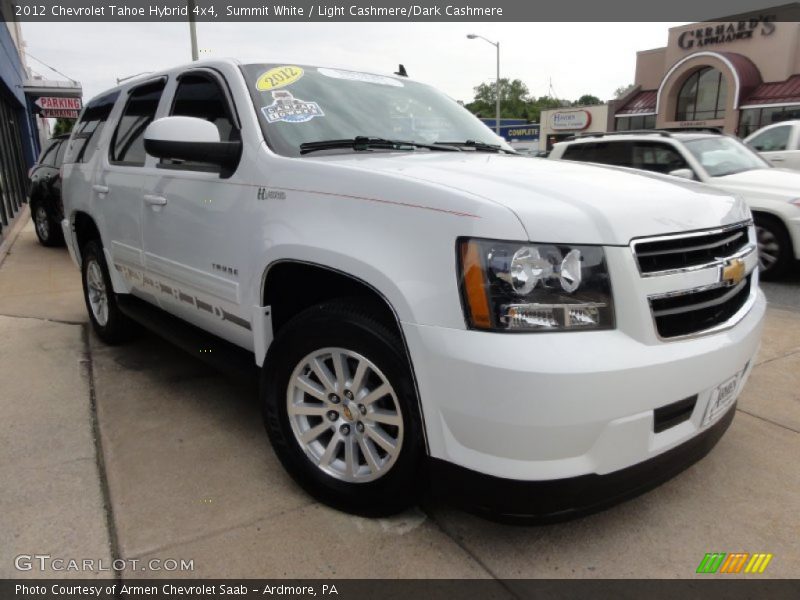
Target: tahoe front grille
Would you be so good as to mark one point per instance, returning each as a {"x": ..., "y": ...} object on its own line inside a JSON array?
[
  {"x": 689, "y": 251},
  {"x": 693, "y": 311}
]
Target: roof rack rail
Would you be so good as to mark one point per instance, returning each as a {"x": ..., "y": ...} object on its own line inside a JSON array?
[{"x": 660, "y": 132}]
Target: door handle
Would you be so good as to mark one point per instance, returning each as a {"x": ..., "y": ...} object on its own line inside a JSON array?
[
  {"x": 100, "y": 189},
  {"x": 777, "y": 159},
  {"x": 155, "y": 200}
]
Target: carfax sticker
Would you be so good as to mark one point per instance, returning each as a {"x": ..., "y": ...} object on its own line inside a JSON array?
[
  {"x": 356, "y": 76},
  {"x": 278, "y": 77},
  {"x": 289, "y": 109}
]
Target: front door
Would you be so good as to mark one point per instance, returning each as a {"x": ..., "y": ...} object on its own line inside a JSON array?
[{"x": 194, "y": 222}]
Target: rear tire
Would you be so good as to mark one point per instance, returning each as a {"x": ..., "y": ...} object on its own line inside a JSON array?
[
  {"x": 48, "y": 229},
  {"x": 108, "y": 322},
  {"x": 774, "y": 246},
  {"x": 365, "y": 450}
]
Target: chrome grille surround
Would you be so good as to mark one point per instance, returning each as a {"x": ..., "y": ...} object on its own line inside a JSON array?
[{"x": 732, "y": 299}]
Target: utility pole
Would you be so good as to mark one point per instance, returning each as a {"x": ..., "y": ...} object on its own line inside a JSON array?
[{"x": 192, "y": 28}]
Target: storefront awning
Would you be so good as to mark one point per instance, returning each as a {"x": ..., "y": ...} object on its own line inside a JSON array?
[
  {"x": 778, "y": 92},
  {"x": 643, "y": 103}
]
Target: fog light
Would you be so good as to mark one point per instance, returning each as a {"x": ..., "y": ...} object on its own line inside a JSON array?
[
  {"x": 583, "y": 316},
  {"x": 525, "y": 316}
]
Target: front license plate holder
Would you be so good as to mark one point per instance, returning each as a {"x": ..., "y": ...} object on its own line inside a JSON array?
[{"x": 722, "y": 398}]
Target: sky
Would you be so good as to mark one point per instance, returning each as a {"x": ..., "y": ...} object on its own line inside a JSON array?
[{"x": 579, "y": 58}]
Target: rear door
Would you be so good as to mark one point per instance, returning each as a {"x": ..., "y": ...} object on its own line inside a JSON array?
[{"x": 124, "y": 182}]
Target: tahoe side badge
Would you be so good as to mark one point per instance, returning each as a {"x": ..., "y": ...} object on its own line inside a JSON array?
[{"x": 285, "y": 107}]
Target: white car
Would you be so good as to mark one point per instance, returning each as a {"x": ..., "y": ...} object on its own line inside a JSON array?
[
  {"x": 779, "y": 143},
  {"x": 720, "y": 161},
  {"x": 428, "y": 308}
]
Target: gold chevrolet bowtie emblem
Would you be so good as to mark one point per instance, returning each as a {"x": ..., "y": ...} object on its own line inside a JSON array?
[{"x": 733, "y": 271}]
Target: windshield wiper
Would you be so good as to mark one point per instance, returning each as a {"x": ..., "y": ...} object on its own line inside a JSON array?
[
  {"x": 478, "y": 146},
  {"x": 360, "y": 143}
]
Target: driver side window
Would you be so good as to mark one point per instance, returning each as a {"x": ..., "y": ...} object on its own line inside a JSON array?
[
  {"x": 201, "y": 96},
  {"x": 772, "y": 140}
]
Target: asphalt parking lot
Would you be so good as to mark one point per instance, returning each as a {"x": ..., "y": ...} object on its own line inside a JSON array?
[{"x": 185, "y": 470}]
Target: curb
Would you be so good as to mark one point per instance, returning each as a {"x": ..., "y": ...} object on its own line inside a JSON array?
[{"x": 22, "y": 219}]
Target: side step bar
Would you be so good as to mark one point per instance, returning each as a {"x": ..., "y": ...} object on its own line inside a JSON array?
[{"x": 231, "y": 359}]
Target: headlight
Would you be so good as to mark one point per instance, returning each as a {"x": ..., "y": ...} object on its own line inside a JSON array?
[{"x": 509, "y": 286}]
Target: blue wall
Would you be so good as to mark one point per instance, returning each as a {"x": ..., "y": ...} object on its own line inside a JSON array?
[{"x": 12, "y": 77}]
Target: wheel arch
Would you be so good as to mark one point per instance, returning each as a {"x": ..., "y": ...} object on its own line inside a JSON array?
[
  {"x": 286, "y": 273},
  {"x": 794, "y": 239}
]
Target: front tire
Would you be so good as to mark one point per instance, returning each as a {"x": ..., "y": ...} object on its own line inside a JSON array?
[
  {"x": 48, "y": 230},
  {"x": 774, "y": 247},
  {"x": 108, "y": 322},
  {"x": 341, "y": 411}
]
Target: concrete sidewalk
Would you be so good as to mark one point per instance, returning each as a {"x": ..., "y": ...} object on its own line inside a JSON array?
[
  {"x": 53, "y": 498},
  {"x": 190, "y": 474}
]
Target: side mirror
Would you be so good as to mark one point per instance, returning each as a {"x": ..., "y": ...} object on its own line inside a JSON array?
[
  {"x": 191, "y": 139},
  {"x": 682, "y": 173}
]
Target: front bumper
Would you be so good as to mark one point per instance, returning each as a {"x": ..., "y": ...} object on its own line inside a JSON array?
[
  {"x": 541, "y": 407},
  {"x": 532, "y": 502}
]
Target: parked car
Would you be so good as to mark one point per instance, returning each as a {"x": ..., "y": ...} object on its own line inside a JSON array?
[
  {"x": 779, "y": 143},
  {"x": 720, "y": 161},
  {"x": 47, "y": 209},
  {"x": 532, "y": 338}
]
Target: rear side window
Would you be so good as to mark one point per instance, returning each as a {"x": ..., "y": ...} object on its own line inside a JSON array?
[
  {"x": 48, "y": 155},
  {"x": 62, "y": 149},
  {"x": 606, "y": 153},
  {"x": 86, "y": 134},
  {"x": 127, "y": 145}
]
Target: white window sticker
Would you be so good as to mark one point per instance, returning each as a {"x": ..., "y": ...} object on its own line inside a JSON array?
[
  {"x": 365, "y": 77},
  {"x": 285, "y": 107}
]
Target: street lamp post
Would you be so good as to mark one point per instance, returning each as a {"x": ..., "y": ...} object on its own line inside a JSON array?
[{"x": 473, "y": 36}]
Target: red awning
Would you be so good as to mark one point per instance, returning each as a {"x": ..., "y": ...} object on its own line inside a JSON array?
[
  {"x": 779, "y": 92},
  {"x": 641, "y": 104}
]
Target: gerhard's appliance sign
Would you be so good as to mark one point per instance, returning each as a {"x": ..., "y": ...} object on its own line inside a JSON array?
[{"x": 722, "y": 33}]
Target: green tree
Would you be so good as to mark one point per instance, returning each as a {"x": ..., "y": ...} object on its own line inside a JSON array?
[
  {"x": 587, "y": 100},
  {"x": 63, "y": 126},
  {"x": 622, "y": 90},
  {"x": 514, "y": 100}
]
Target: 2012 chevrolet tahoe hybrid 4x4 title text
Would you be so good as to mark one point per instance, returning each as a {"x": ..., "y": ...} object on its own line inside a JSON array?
[{"x": 537, "y": 339}]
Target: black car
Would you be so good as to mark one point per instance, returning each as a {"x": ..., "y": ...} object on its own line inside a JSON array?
[{"x": 47, "y": 209}]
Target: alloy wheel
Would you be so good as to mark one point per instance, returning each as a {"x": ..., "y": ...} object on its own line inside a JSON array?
[
  {"x": 42, "y": 223},
  {"x": 97, "y": 292},
  {"x": 345, "y": 415},
  {"x": 768, "y": 248}
]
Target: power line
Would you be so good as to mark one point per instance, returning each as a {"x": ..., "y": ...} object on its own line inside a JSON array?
[{"x": 29, "y": 55}]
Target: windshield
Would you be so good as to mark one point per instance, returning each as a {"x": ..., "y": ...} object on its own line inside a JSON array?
[
  {"x": 302, "y": 104},
  {"x": 722, "y": 156}
]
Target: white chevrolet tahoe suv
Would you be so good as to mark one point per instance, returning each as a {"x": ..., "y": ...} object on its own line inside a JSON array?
[{"x": 536, "y": 340}]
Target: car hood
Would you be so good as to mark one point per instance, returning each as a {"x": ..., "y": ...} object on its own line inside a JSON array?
[
  {"x": 563, "y": 201},
  {"x": 764, "y": 183}
]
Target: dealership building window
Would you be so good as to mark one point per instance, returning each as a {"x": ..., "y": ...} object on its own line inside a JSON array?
[
  {"x": 702, "y": 96},
  {"x": 752, "y": 119},
  {"x": 635, "y": 122}
]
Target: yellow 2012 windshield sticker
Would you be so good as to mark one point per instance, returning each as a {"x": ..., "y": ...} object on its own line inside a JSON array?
[{"x": 278, "y": 77}]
